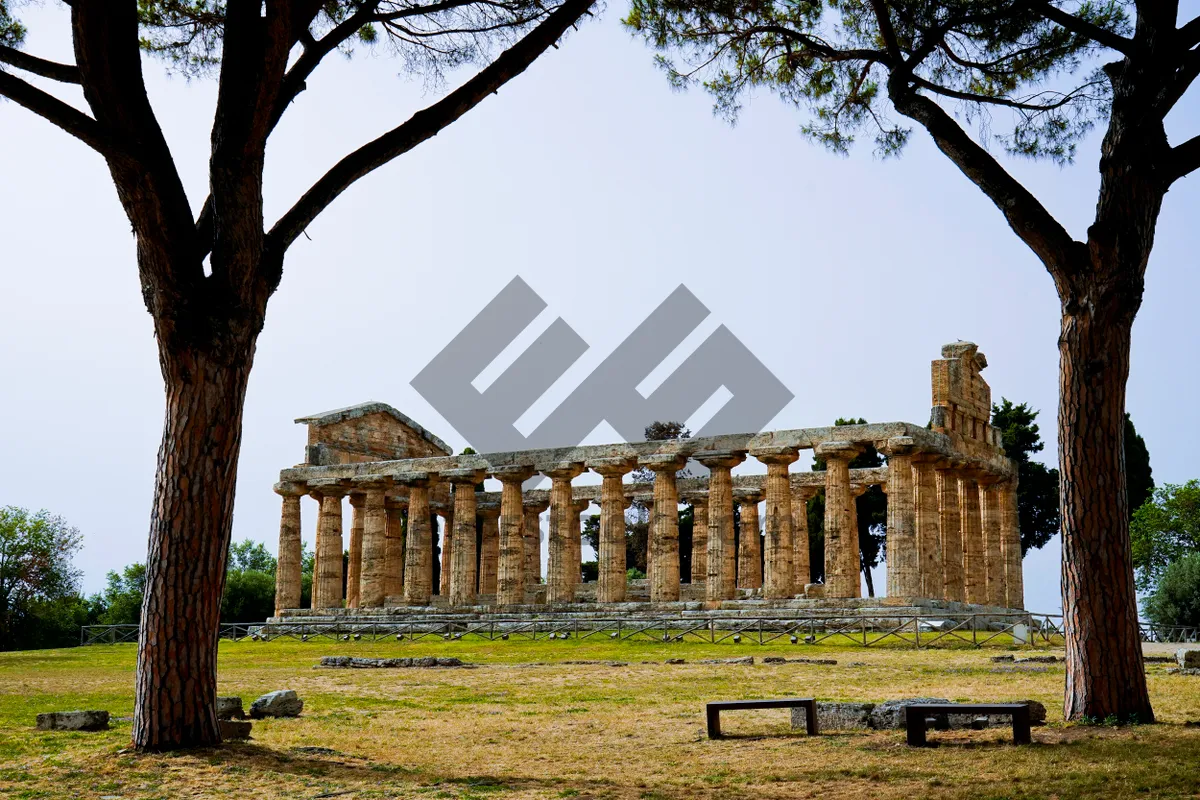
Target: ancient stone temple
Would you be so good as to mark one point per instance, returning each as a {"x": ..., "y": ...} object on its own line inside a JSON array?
[{"x": 952, "y": 532}]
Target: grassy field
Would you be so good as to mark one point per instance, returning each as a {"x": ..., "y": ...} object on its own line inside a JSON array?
[{"x": 525, "y": 724}]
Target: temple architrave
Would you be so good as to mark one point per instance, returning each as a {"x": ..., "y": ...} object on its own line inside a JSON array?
[{"x": 952, "y": 523}]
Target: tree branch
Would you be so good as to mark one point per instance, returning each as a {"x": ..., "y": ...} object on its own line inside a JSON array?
[
  {"x": 1083, "y": 28},
  {"x": 64, "y": 115},
  {"x": 1028, "y": 218},
  {"x": 1189, "y": 34},
  {"x": 1183, "y": 159},
  {"x": 1000, "y": 101},
  {"x": 63, "y": 73},
  {"x": 426, "y": 123}
]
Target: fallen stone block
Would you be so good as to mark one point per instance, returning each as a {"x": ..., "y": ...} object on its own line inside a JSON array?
[
  {"x": 890, "y": 714},
  {"x": 283, "y": 703},
  {"x": 230, "y": 708},
  {"x": 782, "y": 660},
  {"x": 232, "y": 729},
  {"x": 1020, "y": 668},
  {"x": 1038, "y": 660},
  {"x": 1004, "y": 658},
  {"x": 747, "y": 660},
  {"x": 836, "y": 716},
  {"x": 1182, "y": 671},
  {"x": 1188, "y": 657},
  {"x": 73, "y": 721},
  {"x": 353, "y": 662}
]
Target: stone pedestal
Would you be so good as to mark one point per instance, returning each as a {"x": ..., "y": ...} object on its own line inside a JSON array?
[
  {"x": 903, "y": 577},
  {"x": 418, "y": 558},
  {"x": 489, "y": 543},
  {"x": 951, "y": 531},
  {"x": 564, "y": 524},
  {"x": 841, "y": 535},
  {"x": 663, "y": 547},
  {"x": 778, "y": 578},
  {"x": 721, "y": 582},
  {"x": 749, "y": 563},
  {"x": 510, "y": 582},
  {"x": 288, "y": 568}
]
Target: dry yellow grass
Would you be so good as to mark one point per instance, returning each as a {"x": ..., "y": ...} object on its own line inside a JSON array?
[{"x": 512, "y": 730}]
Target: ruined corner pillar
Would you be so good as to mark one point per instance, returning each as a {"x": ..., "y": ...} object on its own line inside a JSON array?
[
  {"x": 327, "y": 578},
  {"x": 749, "y": 560},
  {"x": 510, "y": 571},
  {"x": 722, "y": 557},
  {"x": 373, "y": 543},
  {"x": 358, "y": 503},
  {"x": 974, "y": 568},
  {"x": 564, "y": 523},
  {"x": 801, "y": 555},
  {"x": 393, "y": 549},
  {"x": 418, "y": 551},
  {"x": 663, "y": 548},
  {"x": 841, "y": 534},
  {"x": 951, "y": 531},
  {"x": 903, "y": 576},
  {"x": 489, "y": 546},
  {"x": 778, "y": 582},
  {"x": 447, "y": 515},
  {"x": 533, "y": 540},
  {"x": 989, "y": 522},
  {"x": 699, "y": 503},
  {"x": 462, "y": 558},
  {"x": 289, "y": 568},
  {"x": 1010, "y": 542},
  {"x": 925, "y": 512},
  {"x": 610, "y": 582}
]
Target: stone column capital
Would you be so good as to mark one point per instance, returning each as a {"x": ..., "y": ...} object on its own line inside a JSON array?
[
  {"x": 395, "y": 502},
  {"x": 579, "y": 506},
  {"x": 805, "y": 493},
  {"x": 289, "y": 489},
  {"x": 535, "y": 506},
  {"x": 461, "y": 475},
  {"x": 747, "y": 497},
  {"x": 663, "y": 462},
  {"x": 844, "y": 451},
  {"x": 776, "y": 454},
  {"x": 859, "y": 489},
  {"x": 416, "y": 479},
  {"x": 371, "y": 483},
  {"x": 358, "y": 498},
  {"x": 564, "y": 470},
  {"x": 488, "y": 510},
  {"x": 612, "y": 467},
  {"x": 986, "y": 478},
  {"x": 514, "y": 473},
  {"x": 694, "y": 497},
  {"x": 721, "y": 458},
  {"x": 329, "y": 487},
  {"x": 897, "y": 446}
]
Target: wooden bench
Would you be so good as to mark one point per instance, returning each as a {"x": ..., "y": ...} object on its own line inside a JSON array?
[
  {"x": 916, "y": 718},
  {"x": 713, "y": 711}
]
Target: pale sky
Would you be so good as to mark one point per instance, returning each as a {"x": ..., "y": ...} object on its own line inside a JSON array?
[{"x": 604, "y": 190}]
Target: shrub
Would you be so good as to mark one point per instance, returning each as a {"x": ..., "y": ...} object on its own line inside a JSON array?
[{"x": 1176, "y": 598}]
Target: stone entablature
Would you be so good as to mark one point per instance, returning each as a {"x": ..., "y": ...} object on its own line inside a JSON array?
[{"x": 969, "y": 552}]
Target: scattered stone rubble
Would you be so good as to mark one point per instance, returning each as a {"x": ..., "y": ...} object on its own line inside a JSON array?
[
  {"x": 353, "y": 662},
  {"x": 283, "y": 703},
  {"x": 233, "y": 729},
  {"x": 230, "y": 708},
  {"x": 73, "y": 721},
  {"x": 782, "y": 660}
]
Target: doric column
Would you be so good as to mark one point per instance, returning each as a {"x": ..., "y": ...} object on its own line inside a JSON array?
[
  {"x": 777, "y": 545},
  {"x": 510, "y": 571},
  {"x": 663, "y": 548},
  {"x": 974, "y": 569},
  {"x": 951, "y": 532},
  {"x": 989, "y": 522},
  {"x": 358, "y": 502},
  {"x": 721, "y": 582},
  {"x": 288, "y": 566},
  {"x": 903, "y": 577},
  {"x": 925, "y": 513},
  {"x": 489, "y": 546},
  {"x": 841, "y": 534},
  {"x": 1010, "y": 543},
  {"x": 327, "y": 582},
  {"x": 462, "y": 560},
  {"x": 393, "y": 550},
  {"x": 749, "y": 563},
  {"x": 699, "y": 538},
  {"x": 610, "y": 582},
  {"x": 801, "y": 557},
  {"x": 575, "y": 561},
  {"x": 418, "y": 555},
  {"x": 447, "y": 514},
  {"x": 564, "y": 523},
  {"x": 533, "y": 540},
  {"x": 372, "y": 566}
]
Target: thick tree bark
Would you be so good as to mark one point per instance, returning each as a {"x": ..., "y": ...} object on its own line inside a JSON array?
[{"x": 190, "y": 528}]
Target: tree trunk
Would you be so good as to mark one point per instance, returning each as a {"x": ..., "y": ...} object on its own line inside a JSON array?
[
  {"x": 1105, "y": 674},
  {"x": 190, "y": 527}
]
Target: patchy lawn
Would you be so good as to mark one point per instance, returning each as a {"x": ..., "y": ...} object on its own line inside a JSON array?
[{"x": 525, "y": 724}]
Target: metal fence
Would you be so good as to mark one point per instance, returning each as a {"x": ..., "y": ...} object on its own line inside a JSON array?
[{"x": 865, "y": 630}]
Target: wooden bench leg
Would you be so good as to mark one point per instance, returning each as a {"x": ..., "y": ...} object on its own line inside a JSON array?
[
  {"x": 914, "y": 728},
  {"x": 810, "y": 717},
  {"x": 1020, "y": 723},
  {"x": 714, "y": 722}
]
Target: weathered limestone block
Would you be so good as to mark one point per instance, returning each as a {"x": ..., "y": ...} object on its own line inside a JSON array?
[
  {"x": 489, "y": 544},
  {"x": 358, "y": 503},
  {"x": 663, "y": 549},
  {"x": 462, "y": 563},
  {"x": 926, "y": 519},
  {"x": 73, "y": 721},
  {"x": 281, "y": 703},
  {"x": 814, "y": 590},
  {"x": 418, "y": 560},
  {"x": 510, "y": 581},
  {"x": 841, "y": 535},
  {"x": 564, "y": 524},
  {"x": 288, "y": 567},
  {"x": 836, "y": 716},
  {"x": 230, "y": 708},
  {"x": 749, "y": 567},
  {"x": 1188, "y": 657},
  {"x": 951, "y": 533},
  {"x": 777, "y": 544},
  {"x": 354, "y": 662},
  {"x": 232, "y": 730},
  {"x": 903, "y": 576},
  {"x": 721, "y": 583}
]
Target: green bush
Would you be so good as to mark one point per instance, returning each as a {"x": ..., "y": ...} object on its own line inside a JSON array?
[
  {"x": 1176, "y": 599},
  {"x": 249, "y": 596}
]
